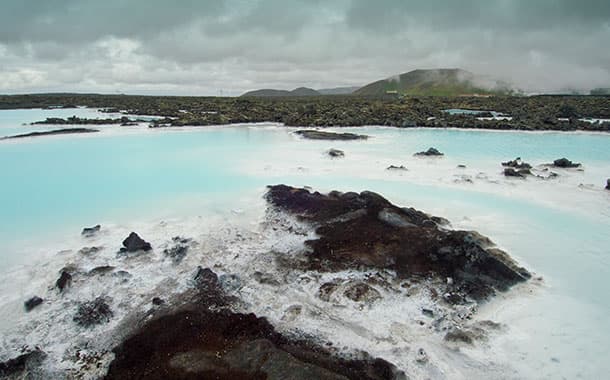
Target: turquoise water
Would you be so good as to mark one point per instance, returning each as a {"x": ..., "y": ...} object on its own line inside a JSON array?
[{"x": 53, "y": 186}]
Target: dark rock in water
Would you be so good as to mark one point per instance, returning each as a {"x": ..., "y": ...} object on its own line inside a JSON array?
[
  {"x": 101, "y": 270},
  {"x": 229, "y": 282},
  {"x": 93, "y": 313},
  {"x": 205, "y": 278},
  {"x": 207, "y": 284},
  {"x": 326, "y": 290},
  {"x": 427, "y": 312},
  {"x": 157, "y": 301},
  {"x": 205, "y": 344},
  {"x": 461, "y": 166},
  {"x": 458, "y": 335},
  {"x": 608, "y": 184},
  {"x": 91, "y": 231},
  {"x": 430, "y": 152},
  {"x": 265, "y": 278},
  {"x": 320, "y": 135},
  {"x": 378, "y": 234},
  {"x": 521, "y": 173},
  {"x": 134, "y": 243},
  {"x": 64, "y": 280},
  {"x": 565, "y": 163},
  {"x": 361, "y": 292},
  {"x": 63, "y": 131},
  {"x": 32, "y": 303},
  {"x": 21, "y": 366},
  {"x": 466, "y": 335},
  {"x": 421, "y": 357},
  {"x": 177, "y": 253},
  {"x": 393, "y": 167},
  {"x": 89, "y": 250},
  {"x": 517, "y": 163},
  {"x": 335, "y": 153},
  {"x": 122, "y": 275}
]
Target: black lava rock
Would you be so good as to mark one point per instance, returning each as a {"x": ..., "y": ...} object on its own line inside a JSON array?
[
  {"x": 32, "y": 303},
  {"x": 91, "y": 231},
  {"x": 134, "y": 243}
]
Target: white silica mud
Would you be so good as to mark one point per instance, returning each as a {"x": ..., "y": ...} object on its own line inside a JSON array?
[{"x": 205, "y": 184}]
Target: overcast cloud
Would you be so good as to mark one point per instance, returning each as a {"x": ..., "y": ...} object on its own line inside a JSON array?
[{"x": 227, "y": 47}]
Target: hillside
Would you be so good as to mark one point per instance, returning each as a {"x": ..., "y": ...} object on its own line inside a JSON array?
[
  {"x": 439, "y": 82},
  {"x": 337, "y": 90},
  {"x": 301, "y": 91}
]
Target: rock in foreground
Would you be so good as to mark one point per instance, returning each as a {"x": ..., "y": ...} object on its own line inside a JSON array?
[
  {"x": 206, "y": 340},
  {"x": 65, "y": 131},
  {"x": 366, "y": 230},
  {"x": 335, "y": 153},
  {"x": 32, "y": 303},
  {"x": 23, "y": 366},
  {"x": 431, "y": 152},
  {"x": 565, "y": 163},
  {"x": 91, "y": 231},
  {"x": 321, "y": 135},
  {"x": 134, "y": 243},
  {"x": 517, "y": 163},
  {"x": 93, "y": 312},
  {"x": 521, "y": 173}
]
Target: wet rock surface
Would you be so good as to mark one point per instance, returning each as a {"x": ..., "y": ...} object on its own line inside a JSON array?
[
  {"x": 608, "y": 184},
  {"x": 361, "y": 292},
  {"x": 93, "y": 312},
  {"x": 178, "y": 249},
  {"x": 335, "y": 153},
  {"x": 134, "y": 243},
  {"x": 32, "y": 303},
  {"x": 517, "y": 163},
  {"x": 158, "y": 301},
  {"x": 101, "y": 270},
  {"x": 565, "y": 163},
  {"x": 394, "y": 167},
  {"x": 431, "y": 152},
  {"x": 91, "y": 231},
  {"x": 322, "y": 135},
  {"x": 64, "y": 131},
  {"x": 520, "y": 173},
  {"x": 87, "y": 251},
  {"x": 367, "y": 231},
  {"x": 202, "y": 342},
  {"x": 64, "y": 280},
  {"x": 22, "y": 366}
]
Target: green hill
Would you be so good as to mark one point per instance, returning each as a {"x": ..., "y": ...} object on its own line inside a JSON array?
[{"x": 436, "y": 82}]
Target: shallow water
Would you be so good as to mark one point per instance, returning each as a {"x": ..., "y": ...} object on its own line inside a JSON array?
[{"x": 197, "y": 179}]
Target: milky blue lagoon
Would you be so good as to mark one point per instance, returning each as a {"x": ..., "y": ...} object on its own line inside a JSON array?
[{"x": 199, "y": 178}]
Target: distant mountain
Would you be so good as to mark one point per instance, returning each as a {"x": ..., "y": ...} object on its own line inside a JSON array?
[
  {"x": 600, "y": 91},
  {"x": 337, "y": 90},
  {"x": 440, "y": 82},
  {"x": 304, "y": 91},
  {"x": 301, "y": 91}
]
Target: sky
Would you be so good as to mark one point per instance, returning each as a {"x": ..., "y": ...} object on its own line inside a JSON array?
[{"x": 213, "y": 47}]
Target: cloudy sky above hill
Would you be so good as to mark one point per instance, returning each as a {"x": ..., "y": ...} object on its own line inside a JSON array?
[{"x": 214, "y": 47}]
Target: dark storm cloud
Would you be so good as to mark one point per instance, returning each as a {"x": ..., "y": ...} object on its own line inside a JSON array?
[
  {"x": 515, "y": 15},
  {"x": 69, "y": 21},
  {"x": 203, "y": 47}
]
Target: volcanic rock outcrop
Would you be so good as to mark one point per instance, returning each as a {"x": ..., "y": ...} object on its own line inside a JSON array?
[{"x": 367, "y": 231}]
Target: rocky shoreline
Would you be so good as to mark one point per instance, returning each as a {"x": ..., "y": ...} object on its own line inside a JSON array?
[
  {"x": 215, "y": 329},
  {"x": 537, "y": 113},
  {"x": 63, "y": 131}
]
